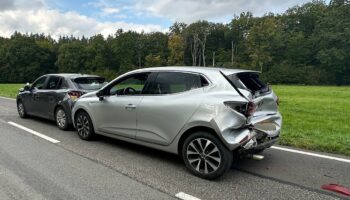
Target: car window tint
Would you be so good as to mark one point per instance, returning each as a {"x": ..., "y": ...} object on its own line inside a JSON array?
[
  {"x": 175, "y": 82},
  {"x": 39, "y": 84},
  {"x": 132, "y": 85},
  {"x": 63, "y": 84},
  {"x": 53, "y": 83}
]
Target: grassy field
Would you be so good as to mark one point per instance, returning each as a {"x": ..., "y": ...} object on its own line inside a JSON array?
[
  {"x": 10, "y": 90},
  {"x": 314, "y": 117}
]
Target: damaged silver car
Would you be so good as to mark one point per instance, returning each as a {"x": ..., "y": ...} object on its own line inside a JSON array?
[{"x": 206, "y": 115}]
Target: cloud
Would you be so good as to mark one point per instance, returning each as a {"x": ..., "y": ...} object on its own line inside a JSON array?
[
  {"x": 37, "y": 18},
  {"x": 193, "y": 10},
  {"x": 110, "y": 11},
  {"x": 6, "y": 4}
]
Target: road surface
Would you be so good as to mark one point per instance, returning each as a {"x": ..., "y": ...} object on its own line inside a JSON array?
[{"x": 34, "y": 168}]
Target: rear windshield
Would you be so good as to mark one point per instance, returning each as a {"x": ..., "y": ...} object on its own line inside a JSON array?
[
  {"x": 89, "y": 83},
  {"x": 250, "y": 81}
]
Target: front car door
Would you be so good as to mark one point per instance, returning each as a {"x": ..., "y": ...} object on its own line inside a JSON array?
[
  {"x": 116, "y": 113},
  {"x": 34, "y": 106}
]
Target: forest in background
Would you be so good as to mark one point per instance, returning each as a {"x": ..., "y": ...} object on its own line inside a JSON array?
[{"x": 308, "y": 44}]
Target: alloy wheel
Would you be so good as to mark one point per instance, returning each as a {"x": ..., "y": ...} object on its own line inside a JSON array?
[
  {"x": 20, "y": 108},
  {"x": 203, "y": 155},
  {"x": 83, "y": 126},
  {"x": 61, "y": 118}
]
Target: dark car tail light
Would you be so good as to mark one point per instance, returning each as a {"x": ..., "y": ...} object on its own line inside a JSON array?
[
  {"x": 247, "y": 109},
  {"x": 74, "y": 95}
]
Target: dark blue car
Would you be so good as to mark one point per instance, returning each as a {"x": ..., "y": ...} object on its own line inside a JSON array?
[{"x": 53, "y": 95}]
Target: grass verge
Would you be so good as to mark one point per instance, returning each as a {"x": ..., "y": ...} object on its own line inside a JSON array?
[
  {"x": 10, "y": 90},
  {"x": 315, "y": 117}
]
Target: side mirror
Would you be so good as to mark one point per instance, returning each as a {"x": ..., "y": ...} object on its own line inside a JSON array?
[
  {"x": 25, "y": 88},
  {"x": 100, "y": 94}
]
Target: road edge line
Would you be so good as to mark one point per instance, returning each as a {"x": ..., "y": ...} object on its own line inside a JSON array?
[
  {"x": 34, "y": 132},
  {"x": 7, "y": 98},
  {"x": 311, "y": 154}
]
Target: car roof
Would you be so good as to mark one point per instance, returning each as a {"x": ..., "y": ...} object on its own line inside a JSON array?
[
  {"x": 71, "y": 75},
  {"x": 204, "y": 70}
]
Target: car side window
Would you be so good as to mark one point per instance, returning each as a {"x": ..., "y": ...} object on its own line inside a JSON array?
[
  {"x": 175, "y": 82},
  {"x": 131, "y": 85},
  {"x": 39, "y": 84},
  {"x": 62, "y": 84},
  {"x": 54, "y": 83}
]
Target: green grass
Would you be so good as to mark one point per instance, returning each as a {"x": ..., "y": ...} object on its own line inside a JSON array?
[
  {"x": 10, "y": 90},
  {"x": 314, "y": 117}
]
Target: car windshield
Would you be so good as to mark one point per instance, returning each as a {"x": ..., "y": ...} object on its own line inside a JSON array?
[{"x": 89, "y": 83}]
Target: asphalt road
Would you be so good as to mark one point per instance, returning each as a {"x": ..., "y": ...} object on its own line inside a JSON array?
[{"x": 33, "y": 168}]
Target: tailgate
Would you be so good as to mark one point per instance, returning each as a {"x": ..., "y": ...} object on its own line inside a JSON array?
[{"x": 266, "y": 119}]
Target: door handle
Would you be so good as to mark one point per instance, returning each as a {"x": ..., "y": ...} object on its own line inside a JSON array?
[{"x": 130, "y": 107}]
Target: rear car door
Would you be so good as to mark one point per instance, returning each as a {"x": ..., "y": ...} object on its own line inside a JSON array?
[
  {"x": 116, "y": 113},
  {"x": 167, "y": 106},
  {"x": 50, "y": 96},
  {"x": 34, "y": 106}
]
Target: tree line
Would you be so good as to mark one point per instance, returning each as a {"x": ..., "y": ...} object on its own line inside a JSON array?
[{"x": 308, "y": 44}]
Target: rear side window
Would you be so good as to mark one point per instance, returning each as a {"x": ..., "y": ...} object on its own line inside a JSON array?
[
  {"x": 249, "y": 81},
  {"x": 89, "y": 83},
  {"x": 175, "y": 82},
  {"x": 54, "y": 83}
]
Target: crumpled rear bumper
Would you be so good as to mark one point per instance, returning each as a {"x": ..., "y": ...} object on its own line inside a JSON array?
[{"x": 261, "y": 132}]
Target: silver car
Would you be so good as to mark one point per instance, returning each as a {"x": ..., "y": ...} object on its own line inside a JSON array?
[{"x": 206, "y": 115}]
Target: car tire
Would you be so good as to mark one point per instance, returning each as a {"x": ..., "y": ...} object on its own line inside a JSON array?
[
  {"x": 84, "y": 126},
  {"x": 61, "y": 118},
  {"x": 206, "y": 156},
  {"x": 21, "y": 109}
]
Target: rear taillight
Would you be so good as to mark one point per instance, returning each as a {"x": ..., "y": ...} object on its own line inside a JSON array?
[
  {"x": 278, "y": 101},
  {"x": 245, "y": 109},
  {"x": 74, "y": 95},
  {"x": 251, "y": 108}
]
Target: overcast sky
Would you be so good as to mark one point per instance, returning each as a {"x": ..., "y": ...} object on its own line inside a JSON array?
[{"x": 90, "y": 17}]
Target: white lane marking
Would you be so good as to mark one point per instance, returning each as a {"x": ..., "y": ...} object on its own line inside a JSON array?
[
  {"x": 184, "y": 196},
  {"x": 311, "y": 154},
  {"x": 34, "y": 132},
  {"x": 7, "y": 98}
]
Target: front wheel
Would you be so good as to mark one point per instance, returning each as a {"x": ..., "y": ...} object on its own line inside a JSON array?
[
  {"x": 21, "y": 110},
  {"x": 206, "y": 156},
  {"x": 84, "y": 126}
]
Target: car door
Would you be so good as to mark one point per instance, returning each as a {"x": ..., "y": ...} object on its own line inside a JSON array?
[
  {"x": 34, "y": 106},
  {"x": 49, "y": 97},
  {"x": 171, "y": 100},
  {"x": 116, "y": 113}
]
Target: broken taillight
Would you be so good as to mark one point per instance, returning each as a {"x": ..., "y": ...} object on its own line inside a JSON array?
[
  {"x": 245, "y": 109},
  {"x": 74, "y": 95},
  {"x": 251, "y": 108}
]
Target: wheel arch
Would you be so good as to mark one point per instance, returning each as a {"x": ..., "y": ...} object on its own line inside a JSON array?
[{"x": 192, "y": 130}]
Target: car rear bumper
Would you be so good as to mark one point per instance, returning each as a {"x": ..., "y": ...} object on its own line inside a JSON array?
[{"x": 262, "y": 132}]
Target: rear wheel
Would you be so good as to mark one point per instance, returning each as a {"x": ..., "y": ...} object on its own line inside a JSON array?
[
  {"x": 21, "y": 110},
  {"x": 61, "y": 118},
  {"x": 206, "y": 156},
  {"x": 84, "y": 126}
]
